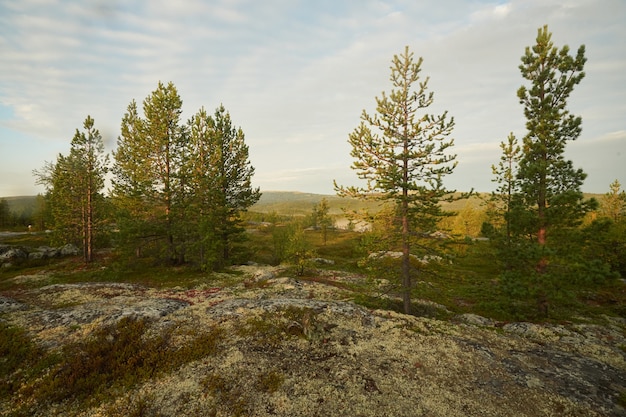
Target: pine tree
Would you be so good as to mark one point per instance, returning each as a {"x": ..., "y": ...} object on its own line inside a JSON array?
[
  {"x": 5, "y": 214},
  {"x": 547, "y": 203},
  {"x": 220, "y": 175},
  {"x": 147, "y": 165},
  {"x": 402, "y": 154},
  {"x": 549, "y": 184},
  {"x": 74, "y": 185},
  {"x": 613, "y": 205},
  {"x": 322, "y": 218},
  {"x": 505, "y": 176},
  {"x": 181, "y": 187}
]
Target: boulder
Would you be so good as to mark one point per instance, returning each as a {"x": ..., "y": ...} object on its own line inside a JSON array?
[
  {"x": 36, "y": 255},
  {"x": 69, "y": 250},
  {"x": 49, "y": 252},
  {"x": 12, "y": 254},
  {"x": 4, "y": 248},
  {"x": 474, "y": 320},
  {"x": 323, "y": 261}
]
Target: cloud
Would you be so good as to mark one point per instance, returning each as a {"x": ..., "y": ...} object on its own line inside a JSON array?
[{"x": 296, "y": 76}]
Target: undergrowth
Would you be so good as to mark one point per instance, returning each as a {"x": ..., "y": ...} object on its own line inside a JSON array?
[
  {"x": 20, "y": 359},
  {"x": 110, "y": 362}
]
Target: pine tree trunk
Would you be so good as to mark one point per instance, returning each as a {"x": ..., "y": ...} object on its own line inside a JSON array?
[
  {"x": 406, "y": 247},
  {"x": 406, "y": 273},
  {"x": 89, "y": 243}
]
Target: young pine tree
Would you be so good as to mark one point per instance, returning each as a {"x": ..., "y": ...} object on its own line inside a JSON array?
[
  {"x": 506, "y": 178},
  {"x": 402, "y": 153},
  {"x": 613, "y": 204}
]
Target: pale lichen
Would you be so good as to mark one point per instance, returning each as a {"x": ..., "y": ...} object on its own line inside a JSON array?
[{"x": 296, "y": 348}]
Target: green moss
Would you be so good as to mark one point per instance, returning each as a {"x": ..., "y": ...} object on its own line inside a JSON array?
[
  {"x": 227, "y": 394},
  {"x": 270, "y": 381}
]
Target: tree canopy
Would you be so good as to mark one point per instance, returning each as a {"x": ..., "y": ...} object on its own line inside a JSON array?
[{"x": 180, "y": 187}]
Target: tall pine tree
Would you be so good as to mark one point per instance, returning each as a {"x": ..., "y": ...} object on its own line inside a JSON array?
[
  {"x": 402, "y": 153},
  {"x": 550, "y": 184},
  {"x": 221, "y": 180},
  {"x": 547, "y": 204},
  {"x": 180, "y": 188},
  {"x": 74, "y": 185},
  {"x": 147, "y": 164}
]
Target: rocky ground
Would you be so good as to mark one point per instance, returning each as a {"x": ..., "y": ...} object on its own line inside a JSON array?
[{"x": 291, "y": 347}]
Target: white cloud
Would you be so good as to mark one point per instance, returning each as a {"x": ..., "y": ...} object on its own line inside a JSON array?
[
  {"x": 295, "y": 77},
  {"x": 489, "y": 12}
]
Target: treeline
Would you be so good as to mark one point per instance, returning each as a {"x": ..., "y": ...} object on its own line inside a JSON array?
[
  {"x": 179, "y": 188},
  {"x": 17, "y": 213}
]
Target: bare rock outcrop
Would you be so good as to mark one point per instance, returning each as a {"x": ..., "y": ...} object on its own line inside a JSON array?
[{"x": 301, "y": 348}]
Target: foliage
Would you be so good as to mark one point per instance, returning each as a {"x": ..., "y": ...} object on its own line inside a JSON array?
[
  {"x": 403, "y": 156},
  {"x": 505, "y": 172},
  {"x": 147, "y": 161},
  {"x": 540, "y": 197},
  {"x": 180, "y": 189},
  {"x": 114, "y": 359},
  {"x": 467, "y": 222},
  {"x": 613, "y": 203},
  {"x": 218, "y": 182},
  {"x": 74, "y": 187},
  {"x": 281, "y": 237},
  {"x": 549, "y": 184},
  {"x": 321, "y": 218},
  {"x": 5, "y": 214},
  {"x": 299, "y": 251},
  {"x": 21, "y": 359},
  {"x": 604, "y": 241}
]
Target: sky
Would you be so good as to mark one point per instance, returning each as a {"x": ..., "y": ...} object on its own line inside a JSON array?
[{"x": 295, "y": 75}]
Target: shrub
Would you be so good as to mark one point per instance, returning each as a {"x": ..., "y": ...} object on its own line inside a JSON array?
[
  {"x": 20, "y": 357},
  {"x": 118, "y": 357}
]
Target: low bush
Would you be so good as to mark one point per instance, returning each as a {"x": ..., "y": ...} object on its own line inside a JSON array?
[{"x": 112, "y": 361}]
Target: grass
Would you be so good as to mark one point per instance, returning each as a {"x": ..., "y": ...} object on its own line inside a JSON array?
[
  {"x": 34, "y": 239},
  {"x": 469, "y": 284}
]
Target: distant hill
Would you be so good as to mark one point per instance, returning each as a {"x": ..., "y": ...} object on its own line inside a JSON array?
[
  {"x": 20, "y": 204},
  {"x": 298, "y": 203},
  {"x": 288, "y": 202}
]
